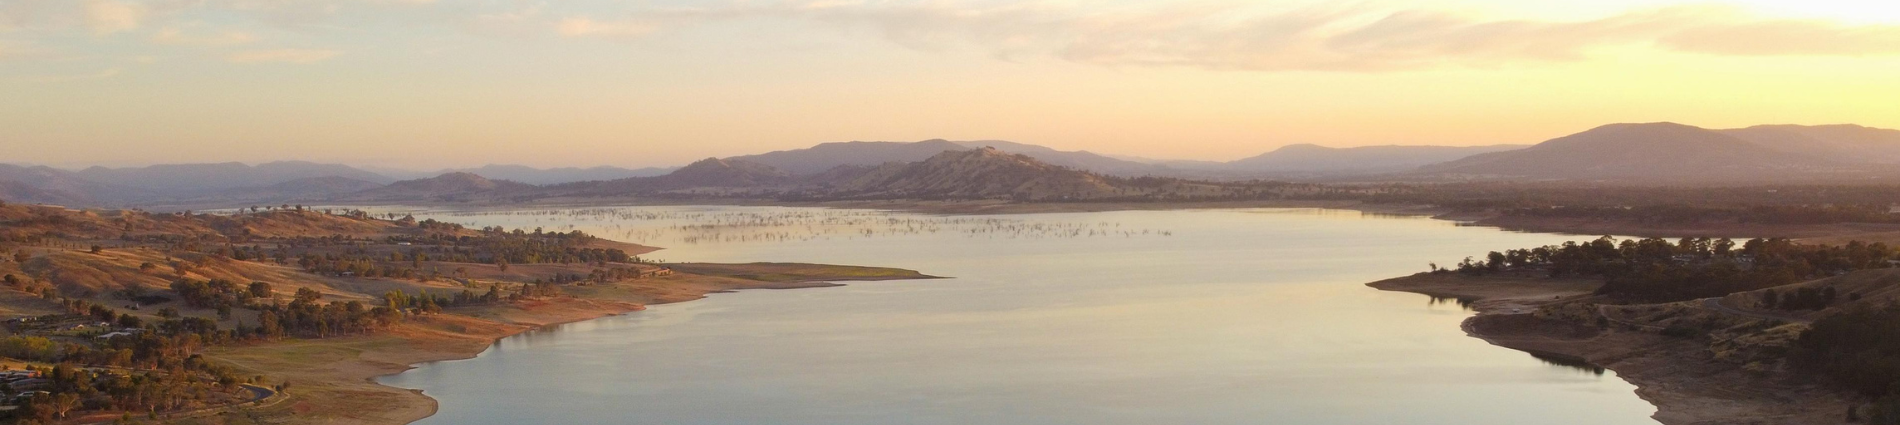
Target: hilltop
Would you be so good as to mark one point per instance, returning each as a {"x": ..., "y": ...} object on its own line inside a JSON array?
[
  {"x": 1309, "y": 159},
  {"x": 985, "y": 173},
  {"x": 451, "y": 187}
]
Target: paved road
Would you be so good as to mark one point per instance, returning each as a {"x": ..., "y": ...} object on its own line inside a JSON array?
[{"x": 1717, "y": 305}]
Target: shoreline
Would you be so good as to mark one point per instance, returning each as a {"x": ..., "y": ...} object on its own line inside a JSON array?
[
  {"x": 336, "y": 381},
  {"x": 1486, "y": 301},
  {"x": 1831, "y": 233},
  {"x": 1687, "y": 385}
]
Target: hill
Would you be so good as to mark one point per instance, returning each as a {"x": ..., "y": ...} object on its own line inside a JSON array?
[
  {"x": 53, "y": 186},
  {"x": 546, "y": 176},
  {"x": 308, "y": 189},
  {"x": 1320, "y": 160},
  {"x": 1637, "y": 152},
  {"x": 198, "y": 178},
  {"x": 977, "y": 173},
  {"x": 1080, "y": 160},
  {"x": 1847, "y": 144},
  {"x": 451, "y": 187},
  {"x": 826, "y": 156},
  {"x": 707, "y": 176}
]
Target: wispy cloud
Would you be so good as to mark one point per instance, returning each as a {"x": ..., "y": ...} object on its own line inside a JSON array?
[
  {"x": 178, "y": 37},
  {"x": 1323, "y": 38},
  {"x": 587, "y": 27},
  {"x": 60, "y": 78},
  {"x": 1213, "y": 34},
  {"x": 106, "y": 17},
  {"x": 300, "y": 56}
]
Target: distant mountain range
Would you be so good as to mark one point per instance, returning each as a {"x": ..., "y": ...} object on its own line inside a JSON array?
[
  {"x": 1652, "y": 152},
  {"x": 1315, "y": 160},
  {"x": 451, "y": 187},
  {"x": 826, "y": 156},
  {"x": 1846, "y": 144},
  {"x": 540, "y": 176},
  {"x": 211, "y": 177},
  {"x": 1670, "y": 152}
]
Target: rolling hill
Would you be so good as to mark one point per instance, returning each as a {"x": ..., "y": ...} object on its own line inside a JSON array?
[
  {"x": 451, "y": 187},
  {"x": 826, "y": 156},
  {"x": 195, "y": 178},
  {"x": 1847, "y": 144},
  {"x": 546, "y": 176},
  {"x": 1319, "y": 160},
  {"x": 1637, "y": 152},
  {"x": 977, "y": 173}
]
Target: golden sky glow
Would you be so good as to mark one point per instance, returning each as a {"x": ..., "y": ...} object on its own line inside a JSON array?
[{"x": 431, "y": 83}]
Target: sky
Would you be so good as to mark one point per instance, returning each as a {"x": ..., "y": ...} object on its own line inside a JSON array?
[{"x": 424, "y": 84}]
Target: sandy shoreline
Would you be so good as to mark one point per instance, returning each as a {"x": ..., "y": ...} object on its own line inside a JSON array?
[{"x": 1687, "y": 384}]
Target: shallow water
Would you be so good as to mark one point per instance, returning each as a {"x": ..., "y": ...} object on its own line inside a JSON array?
[{"x": 1141, "y": 317}]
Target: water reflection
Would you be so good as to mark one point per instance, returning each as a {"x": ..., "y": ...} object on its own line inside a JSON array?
[
  {"x": 1568, "y": 362},
  {"x": 1463, "y": 303}
]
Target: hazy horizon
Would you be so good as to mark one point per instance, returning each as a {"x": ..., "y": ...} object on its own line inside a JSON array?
[{"x": 423, "y": 84}]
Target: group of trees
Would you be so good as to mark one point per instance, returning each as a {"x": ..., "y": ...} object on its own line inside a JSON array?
[
  {"x": 219, "y": 294},
  {"x": 1686, "y": 214},
  {"x": 75, "y": 388},
  {"x": 307, "y": 317},
  {"x": 497, "y": 245},
  {"x": 1802, "y": 298},
  {"x": 1656, "y": 270},
  {"x": 1857, "y": 348}
]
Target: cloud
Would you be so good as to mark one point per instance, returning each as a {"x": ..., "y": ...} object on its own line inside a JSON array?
[
  {"x": 1786, "y": 38},
  {"x": 585, "y": 27},
  {"x": 177, "y": 37},
  {"x": 300, "y": 56},
  {"x": 1316, "y": 38},
  {"x": 15, "y": 50},
  {"x": 1372, "y": 36},
  {"x": 109, "y": 73},
  {"x": 106, "y": 17}
]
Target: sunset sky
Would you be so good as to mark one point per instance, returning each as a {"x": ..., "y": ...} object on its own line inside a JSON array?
[{"x": 432, "y": 83}]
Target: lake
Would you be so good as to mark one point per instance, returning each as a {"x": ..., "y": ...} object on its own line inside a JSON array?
[{"x": 1255, "y": 316}]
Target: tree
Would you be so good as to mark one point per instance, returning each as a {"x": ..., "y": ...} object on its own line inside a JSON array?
[
  {"x": 97, "y": 249},
  {"x": 260, "y": 290},
  {"x": 63, "y": 403},
  {"x": 21, "y": 257},
  {"x": 168, "y": 312},
  {"x": 307, "y": 295}
]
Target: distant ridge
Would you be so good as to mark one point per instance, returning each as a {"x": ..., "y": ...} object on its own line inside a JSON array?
[
  {"x": 182, "y": 178},
  {"x": 709, "y": 173},
  {"x": 1637, "y": 152},
  {"x": 545, "y": 176},
  {"x": 977, "y": 173},
  {"x": 826, "y": 156},
  {"x": 455, "y": 187},
  {"x": 1846, "y": 143},
  {"x": 1321, "y": 160}
]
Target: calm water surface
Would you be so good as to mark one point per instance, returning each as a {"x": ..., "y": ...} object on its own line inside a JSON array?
[{"x": 1149, "y": 317}]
